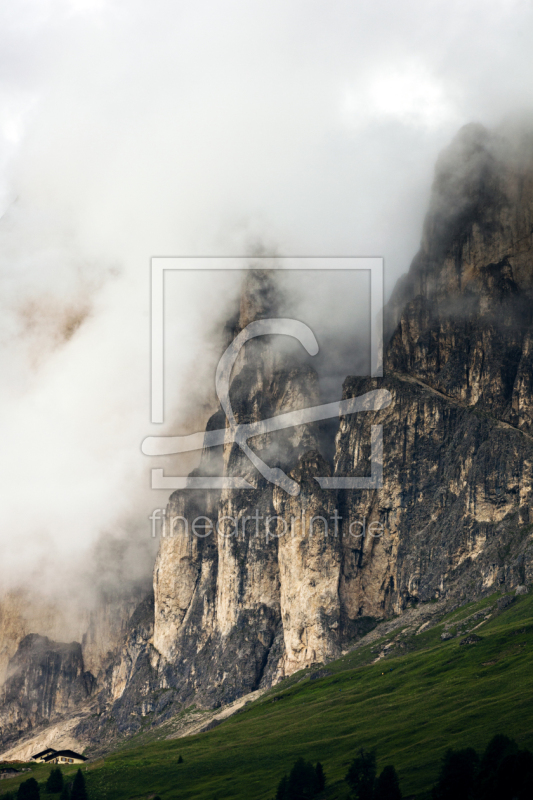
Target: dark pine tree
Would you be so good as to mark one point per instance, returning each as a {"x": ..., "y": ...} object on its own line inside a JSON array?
[
  {"x": 362, "y": 774},
  {"x": 387, "y": 785},
  {"x": 302, "y": 783},
  {"x": 496, "y": 752},
  {"x": 320, "y": 778},
  {"x": 524, "y": 774},
  {"x": 54, "y": 782},
  {"x": 79, "y": 792},
  {"x": 65, "y": 794},
  {"x": 283, "y": 789},
  {"x": 28, "y": 790},
  {"x": 514, "y": 778},
  {"x": 458, "y": 775}
]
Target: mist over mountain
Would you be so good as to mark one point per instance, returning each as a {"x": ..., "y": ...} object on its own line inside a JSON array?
[
  {"x": 275, "y": 581},
  {"x": 128, "y": 132}
]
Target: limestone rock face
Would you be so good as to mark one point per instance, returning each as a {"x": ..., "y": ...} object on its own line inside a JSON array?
[
  {"x": 45, "y": 680},
  {"x": 100, "y": 628},
  {"x": 22, "y": 612},
  {"x": 251, "y": 585},
  {"x": 462, "y": 317},
  {"x": 106, "y": 626},
  {"x": 456, "y": 503},
  {"x": 310, "y": 566},
  {"x": 455, "y": 506},
  {"x": 233, "y": 611},
  {"x": 219, "y": 591},
  {"x": 47, "y": 687}
]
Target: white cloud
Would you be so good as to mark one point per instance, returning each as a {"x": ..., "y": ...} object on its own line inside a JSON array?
[
  {"x": 407, "y": 94},
  {"x": 132, "y": 129}
]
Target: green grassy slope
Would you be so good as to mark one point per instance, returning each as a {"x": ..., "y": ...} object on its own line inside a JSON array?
[{"x": 410, "y": 707}]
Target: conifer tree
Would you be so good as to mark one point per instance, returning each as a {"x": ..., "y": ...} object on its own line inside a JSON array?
[
  {"x": 79, "y": 791},
  {"x": 28, "y": 790},
  {"x": 387, "y": 785},
  {"x": 283, "y": 789},
  {"x": 458, "y": 775},
  {"x": 320, "y": 778},
  {"x": 54, "y": 781},
  {"x": 362, "y": 774}
]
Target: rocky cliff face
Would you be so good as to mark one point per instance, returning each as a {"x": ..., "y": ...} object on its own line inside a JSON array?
[
  {"x": 44, "y": 682},
  {"x": 459, "y": 362},
  {"x": 220, "y": 597},
  {"x": 463, "y": 313},
  {"x": 107, "y": 625},
  {"x": 23, "y": 612},
  {"x": 452, "y": 519},
  {"x": 45, "y": 679},
  {"x": 276, "y": 582}
]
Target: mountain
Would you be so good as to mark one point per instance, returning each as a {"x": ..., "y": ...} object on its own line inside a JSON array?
[
  {"x": 457, "y": 462},
  {"x": 44, "y": 678},
  {"x": 231, "y": 614},
  {"x": 409, "y": 689}
]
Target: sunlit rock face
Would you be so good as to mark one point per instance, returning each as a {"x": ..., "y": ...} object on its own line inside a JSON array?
[
  {"x": 310, "y": 565},
  {"x": 452, "y": 516},
  {"x": 276, "y": 582},
  {"x": 221, "y": 598}
]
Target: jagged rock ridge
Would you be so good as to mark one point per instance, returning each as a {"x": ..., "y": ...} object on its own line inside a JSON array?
[
  {"x": 231, "y": 613},
  {"x": 457, "y": 455}
]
